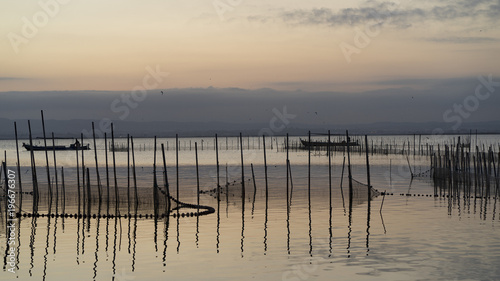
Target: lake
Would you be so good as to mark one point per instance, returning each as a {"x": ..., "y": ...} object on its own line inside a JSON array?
[{"x": 252, "y": 234}]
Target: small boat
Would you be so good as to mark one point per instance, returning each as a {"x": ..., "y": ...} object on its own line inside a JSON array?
[
  {"x": 325, "y": 143},
  {"x": 73, "y": 146}
]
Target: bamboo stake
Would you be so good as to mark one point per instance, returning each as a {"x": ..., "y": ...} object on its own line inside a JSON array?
[
  {"x": 330, "y": 175},
  {"x": 134, "y": 174},
  {"x": 114, "y": 169},
  {"x": 55, "y": 169},
  {"x": 165, "y": 176},
  {"x": 198, "y": 178},
  {"x": 349, "y": 167},
  {"x": 107, "y": 171},
  {"x": 368, "y": 170},
  {"x": 46, "y": 157},
  {"x": 287, "y": 176},
  {"x": 177, "y": 165},
  {"x": 242, "y": 169},
  {"x": 97, "y": 166},
  {"x": 128, "y": 172},
  {"x": 265, "y": 162},
  {"x": 217, "y": 164},
  {"x": 18, "y": 164},
  {"x": 78, "y": 178}
]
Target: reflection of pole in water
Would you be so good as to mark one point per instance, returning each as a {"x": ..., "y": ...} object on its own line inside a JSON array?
[
  {"x": 242, "y": 223},
  {"x": 369, "y": 196},
  {"x": 135, "y": 237},
  {"x": 165, "y": 232},
  {"x": 254, "y": 189},
  {"x": 96, "y": 255},
  {"x": 46, "y": 248},
  {"x": 349, "y": 227},
  {"x": 78, "y": 240},
  {"x": 113, "y": 261}
]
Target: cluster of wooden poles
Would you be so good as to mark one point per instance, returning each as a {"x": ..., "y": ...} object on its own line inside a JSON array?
[
  {"x": 477, "y": 172},
  {"x": 85, "y": 198}
]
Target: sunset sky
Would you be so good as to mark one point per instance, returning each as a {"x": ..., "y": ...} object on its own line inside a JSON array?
[{"x": 284, "y": 45}]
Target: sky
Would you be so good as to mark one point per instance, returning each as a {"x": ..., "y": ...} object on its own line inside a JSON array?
[{"x": 338, "y": 47}]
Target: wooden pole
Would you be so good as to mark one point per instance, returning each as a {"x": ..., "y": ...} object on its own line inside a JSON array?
[
  {"x": 287, "y": 176},
  {"x": 78, "y": 178},
  {"x": 114, "y": 168},
  {"x": 309, "y": 167},
  {"x": 329, "y": 174},
  {"x": 242, "y": 169},
  {"x": 254, "y": 183},
  {"x": 198, "y": 177},
  {"x": 133, "y": 172},
  {"x": 128, "y": 172},
  {"x": 63, "y": 190},
  {"x": 265, "y": 162},
  {"x": 89, "y": 194},
  {"x": 349, "y": 165},
  {"x": 155, "y": 183},
  {"x": 107, "y": 170},
  {"x": 96, "y": 166},
  {"x": 83, "y": 166},
  {"x": 18, "y": 164},
  {"x": 165, "y": 176},
  {"x": 55, "y": 168},
  {"x": 33, "y": 168},
  {"x": 368, "y": 169},
  {"x": 177, "y": 165},
  {"x": 217, "y": 164},
  {"x": 46, "y": 157}
]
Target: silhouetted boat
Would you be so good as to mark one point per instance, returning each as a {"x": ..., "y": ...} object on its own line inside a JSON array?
[
  {"x": 325, "y": 143},
  {"x": 57, "y": 147}
]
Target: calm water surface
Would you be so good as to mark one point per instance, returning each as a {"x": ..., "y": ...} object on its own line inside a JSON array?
[{"x": 253, "y": 237}]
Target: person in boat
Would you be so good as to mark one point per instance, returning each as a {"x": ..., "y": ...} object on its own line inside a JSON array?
[{"x": 77, "y": 143}]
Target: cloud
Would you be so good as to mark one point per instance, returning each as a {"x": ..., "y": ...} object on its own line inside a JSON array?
[
  {"x": 11, "y": 78},
  {"x": 397, "y": 15},
  {"x": 463, "y": 40}
]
